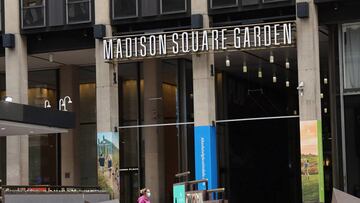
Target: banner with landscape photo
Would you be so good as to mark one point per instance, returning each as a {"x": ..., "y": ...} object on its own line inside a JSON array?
[
  {"x": 311, "y": 161},
  {"x": 108, "y": 162}
]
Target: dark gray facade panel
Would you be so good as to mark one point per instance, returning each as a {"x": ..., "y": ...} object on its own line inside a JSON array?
[
  {"x": 273, "y": 1},
  {"x": 223, "y": 3},
  {"x": 169, "y": 6},
  {"x": 56, "y": 12},
  {"x": 124, "y": 8},
  {"x": 36, "y": 116},
  {"x": 250, "y": 2},
  {"x": 149, "y": 7}
]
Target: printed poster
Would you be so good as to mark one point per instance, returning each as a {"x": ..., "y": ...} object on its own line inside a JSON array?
[
  {"x": 179, "y": 193},
  {"x": 108, "y": 162},
  {"x": 312, "y": 172}
]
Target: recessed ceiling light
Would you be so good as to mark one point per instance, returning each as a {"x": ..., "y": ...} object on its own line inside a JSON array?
[
  {"x": 31, "y": 132},
  {"x": 3, "y": 128}
]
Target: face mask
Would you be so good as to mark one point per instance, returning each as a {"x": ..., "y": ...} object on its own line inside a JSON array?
[{"x": 148, "y": 194}]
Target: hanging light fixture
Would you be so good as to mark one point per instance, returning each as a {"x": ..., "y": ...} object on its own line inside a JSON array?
[
  {"x": 287, "y": 83},
  {"x": 326, "y": 81},
  {"x": 227, "y": 61},
  {"x": 51, "y": 58},
  {"x": 287, "y": 64},
  {"x": 322, "y": 96},
  {"x": 260, "y": 75},
  {"x": 272, "y": 58},
  {"x": 274, "y": 79},
  {"x": 245, "y": 69}
]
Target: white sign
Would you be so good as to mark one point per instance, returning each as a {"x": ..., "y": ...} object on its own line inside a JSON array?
[{"x": 199, "y": 41}]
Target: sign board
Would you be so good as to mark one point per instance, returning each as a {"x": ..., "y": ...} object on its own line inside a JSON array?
[
  {"x": 108, "y": 162},
  {"x": 312, "y": 171},
  {"x": 179, "y": 193},
  {"x": 196, "y": 41}
]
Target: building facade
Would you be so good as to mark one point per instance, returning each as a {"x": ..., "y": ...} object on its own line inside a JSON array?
[{"x": 265, "y": 106}]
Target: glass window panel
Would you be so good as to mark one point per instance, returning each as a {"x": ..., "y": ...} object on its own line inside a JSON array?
[
  {"x": 173, "y": 5},
  {"x": 86, "y": 139},
  {"x": 32, "y": 3},
  {"x": 33, "y": 17},
  {"x": 42, "y": 86},
  {"x": 2, "y": 161},
  {"x": 352, "y": 57},
  {"x": 42, "y": 163},
  {"x": 2, "y": 85},
  {"x": 87, "y": 154},
  {"x": 87, "y": 103},
  {"x": 223, "y": 3},
  {"x": 43, "y": 149},
  {"x": 124, "y": 8},
  {"x": 271, "y": 1},
  {"x": 78, "y": 12}
]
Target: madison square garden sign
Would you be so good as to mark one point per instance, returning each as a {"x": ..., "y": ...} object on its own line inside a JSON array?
[{"x": 124, "y": 48}]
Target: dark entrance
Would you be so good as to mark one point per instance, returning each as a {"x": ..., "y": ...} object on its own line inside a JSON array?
[{"x": 258, "y": 126}]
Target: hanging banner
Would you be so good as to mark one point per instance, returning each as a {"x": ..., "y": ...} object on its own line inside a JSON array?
[
  {"x": 312, "y": 171},
  {"x": 108, "y": 162},
  {"x": 195, "y": 41}
]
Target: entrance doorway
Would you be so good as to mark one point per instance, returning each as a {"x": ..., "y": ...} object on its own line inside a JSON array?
[
  {"x": 258, "y": 126},
  {"x": 154, "y": 92}
]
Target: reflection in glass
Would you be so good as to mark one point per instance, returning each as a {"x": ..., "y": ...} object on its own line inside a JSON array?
[
  {"x": 352, "y": 57},
  {"x": 33, "y": 13},
  {"x": 78, "y": 11},
  {"x": 173, "y": 5},
  {"x": 43, "y": 148},
  {"x": 32, "y": 3},
  {"x": 2, "y": 85},
  {"x": 223, "y": 3},
  {"x": 86, "y": 138},
  {"x": 2, "y": 161},
  {"x": 160, "y": 94},
  {"x": 2, "y": 139},
  {"x": 124, "y": 8}
]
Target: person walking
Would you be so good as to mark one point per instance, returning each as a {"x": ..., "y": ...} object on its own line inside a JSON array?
[{"x": 144, "y": 196}]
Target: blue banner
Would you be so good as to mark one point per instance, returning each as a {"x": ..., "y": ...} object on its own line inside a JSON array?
[{"x": 206, "y": 166}]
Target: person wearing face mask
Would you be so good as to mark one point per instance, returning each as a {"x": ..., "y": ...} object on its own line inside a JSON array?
[{"x": 144, "y": 196}]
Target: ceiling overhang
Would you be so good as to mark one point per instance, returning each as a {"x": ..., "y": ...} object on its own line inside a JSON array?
[{"x": 19, "y": 119}]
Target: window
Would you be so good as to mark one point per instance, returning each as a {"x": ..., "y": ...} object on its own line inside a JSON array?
[
  {"x": 124, "y": 8},
  {"x": 33, "y": 13},
  {"x": 172, "y": 6},
  {"x": 223, "y": 3},
  {"x": 272, "y": 1},
  {"x": 351, "y": 53},
  {"x": 78, "y": 11}
]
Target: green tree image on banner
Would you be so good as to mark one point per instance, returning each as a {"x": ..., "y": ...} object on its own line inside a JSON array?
[
  {"x": 108, "y": 162},
  {"x": 312, "y": 171}
]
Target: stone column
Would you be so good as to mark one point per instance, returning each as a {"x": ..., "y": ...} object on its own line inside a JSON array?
[
  {"x": 204, "y": 108},
  {"x": 17, "y": 157},
  {"x": 107, "y": 105},
  {"x": 106, "y": 88},
  {"x": 309, "y": 73},
  {"x": 69, "y": 86},
  {"x": 153, "y": 137}
]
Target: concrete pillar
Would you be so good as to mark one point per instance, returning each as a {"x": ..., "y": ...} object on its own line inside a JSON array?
[
  {"x": 69, "y": 86},
  {"x": 204, "y": 108},
  {"x": 106, "y": 88},
  {"x": 17, "y": 158},
  {"x": 107, "y": 105},
  {"x": 309, "y": 73},
  {"x": 153, "y": 137},
  {"x": 309, "y": 65}
]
